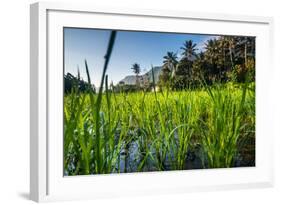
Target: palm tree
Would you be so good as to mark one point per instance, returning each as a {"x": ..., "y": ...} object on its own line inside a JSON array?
[
  {"x": 170, "y": 62},
  {"x": 136, "y": 69},
  {"x": 184, "y": 68},
  {"x": 189, "y": 50},
  {"x": 212, "y": 50},
  {"x": 213, "y": 55}
]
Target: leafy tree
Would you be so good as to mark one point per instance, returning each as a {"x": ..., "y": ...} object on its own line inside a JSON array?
[
  {"x": 189, "y": 50},
  {"x": 199, "y": 70},
  {"x": 71, "y": 82},
  {"x": 168, "y": 69},
  {"x": 165, "y": 78},
  {"x": 170, "y": 62},
  {"x": 183, "y": 72},
  {"x": 136, "y": 69},
  {"x": 214, "y": 56}
]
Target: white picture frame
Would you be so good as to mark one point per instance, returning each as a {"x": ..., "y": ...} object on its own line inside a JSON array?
[{"x": 47, "y": 182}]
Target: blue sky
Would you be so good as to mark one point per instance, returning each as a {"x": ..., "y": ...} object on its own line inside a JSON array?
[{"x": 144, "y": 48}]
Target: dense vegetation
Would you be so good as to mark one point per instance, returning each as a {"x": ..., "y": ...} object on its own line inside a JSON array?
[
  {"x": 225, "y": 59},
  {"x": 202, "y": 117},
  {"x": 71, "y": 82}
]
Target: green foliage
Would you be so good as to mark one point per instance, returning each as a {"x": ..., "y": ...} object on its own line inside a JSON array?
[
  {"x": 189, "y": 49},
  {"x": 222, "y": 129},
  {"x": 226, "y": 58},
  {"x": 163, "y": 127},
  {"x": 127, "y": 128},
  {"x": 244, "y": 72},
  {"x": 165, "y": 78},
  {"x": 71, "y": 82}
]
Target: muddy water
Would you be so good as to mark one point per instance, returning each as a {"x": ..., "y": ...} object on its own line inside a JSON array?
[{"x": 130, "y": 160}]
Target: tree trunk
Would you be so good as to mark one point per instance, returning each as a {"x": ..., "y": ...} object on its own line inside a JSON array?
[
  {"x": 230, "y": 53},
  {"x": 245, "y": 51}
]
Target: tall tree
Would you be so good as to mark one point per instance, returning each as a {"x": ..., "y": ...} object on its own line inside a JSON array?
[
  {"x": 170, "y": 62},
  {"x": 199, "y": 70},
  {"x": 189, "y": 50},
  {"x": 215, "y": 57},
  {"x": 136, "y": 69},
  {"x": 230, "y": 45},
  {"x": 245, "y": 57},
  {"x": 183, "y": 72}
]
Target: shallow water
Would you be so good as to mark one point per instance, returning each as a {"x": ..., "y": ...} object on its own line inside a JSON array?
[{"x": 245, "y": 158}]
